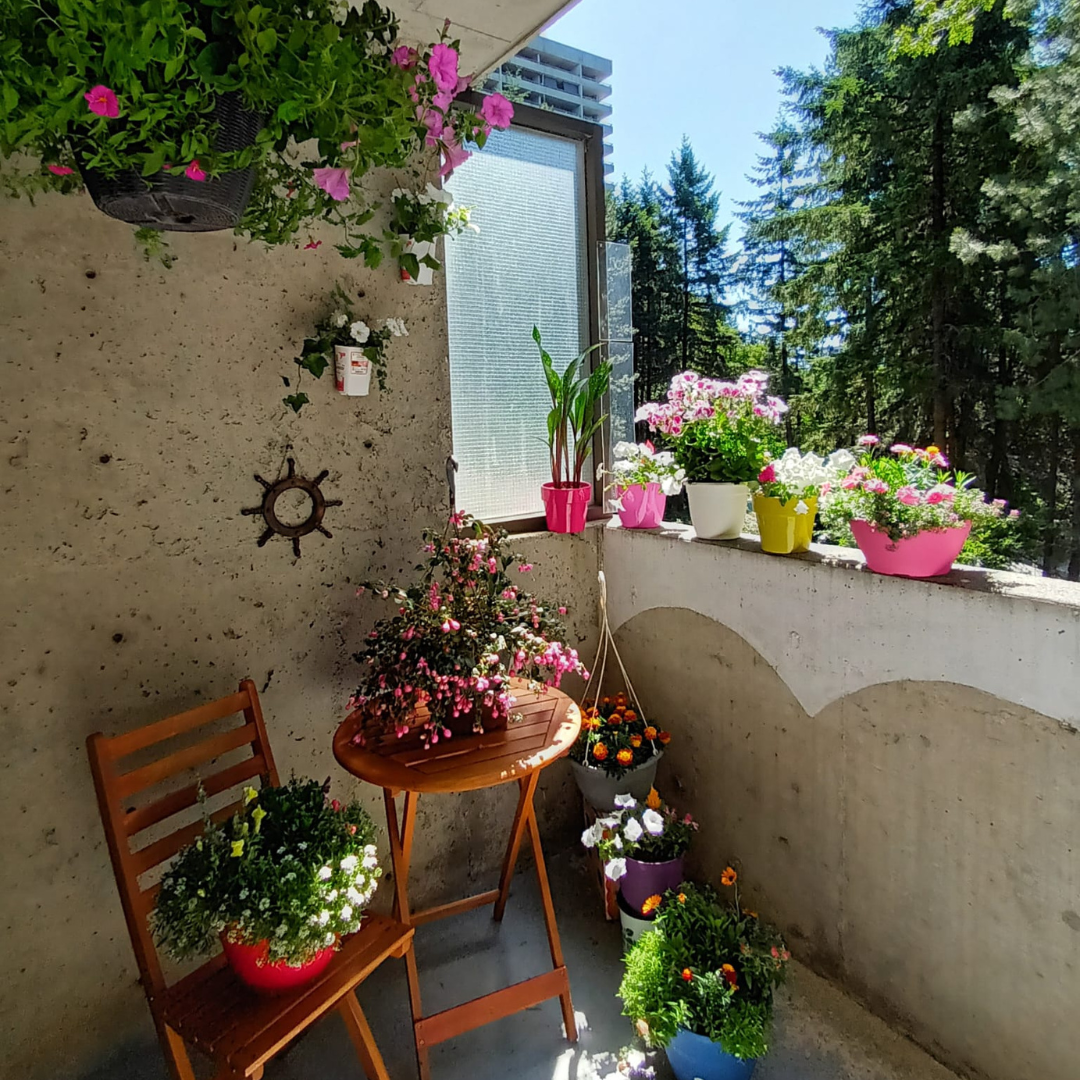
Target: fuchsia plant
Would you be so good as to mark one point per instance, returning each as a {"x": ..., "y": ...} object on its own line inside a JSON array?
[{"x": 460, "y": 633}]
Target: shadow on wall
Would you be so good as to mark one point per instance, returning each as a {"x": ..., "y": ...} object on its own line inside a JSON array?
[{"x": 908, "y": 838}]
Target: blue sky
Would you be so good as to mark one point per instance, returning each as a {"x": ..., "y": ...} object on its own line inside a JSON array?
[{"x": 705, "y": 68}]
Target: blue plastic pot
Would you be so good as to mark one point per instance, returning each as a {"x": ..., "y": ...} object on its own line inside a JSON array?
[{"x": 693, "y": 1057}]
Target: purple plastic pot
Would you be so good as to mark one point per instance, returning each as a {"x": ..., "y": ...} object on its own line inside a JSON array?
[
  {"x": 642, "y": 507},
  {"x": 645, "y": 879}
]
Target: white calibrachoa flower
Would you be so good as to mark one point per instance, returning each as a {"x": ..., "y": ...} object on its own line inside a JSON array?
[
  {"x": 653, "y": 822},
  {"x": 360, "y": 331},
  {"x": 633, "y": 830},
  {"x": 325, "y": 873},
  {"x": 615, "y": 869},
  {"x": 346, "y": 912},
  {"x": 349, "y": 863}
]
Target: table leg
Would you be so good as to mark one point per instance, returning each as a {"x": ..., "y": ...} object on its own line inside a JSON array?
[
  {"x": 401, "y": 840},
  {"x": 527, "y": 788},
  {"x": 549, "y": 920}
]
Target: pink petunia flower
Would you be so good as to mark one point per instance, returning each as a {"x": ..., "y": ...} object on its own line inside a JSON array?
[
  {"x": 102, "y": 102},
  {"x": 60, "y": 170},
  {"x": 335, "y": 182},
  {"x": 907, "y": 495},
  {"x": 876, "y": 486},
  {"x": 767, "y": 475},
  {"x": 443, "y": 66},
  {"x": 403, "y": 57},
  {"x": 442, "y": 100},
  {"x": 497, "y": 111},
  {"x": 194, "y": 171},
  {"x": 454, "y": 154}
]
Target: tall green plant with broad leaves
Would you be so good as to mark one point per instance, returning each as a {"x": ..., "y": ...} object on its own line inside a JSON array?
[{"x": 574, "y": 419}]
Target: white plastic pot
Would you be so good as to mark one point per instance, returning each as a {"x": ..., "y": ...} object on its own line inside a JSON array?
[
  {"x": 717, "y": 511},
  {"x": 419, "y": 248},
  {"x": 352, "y": 370}
]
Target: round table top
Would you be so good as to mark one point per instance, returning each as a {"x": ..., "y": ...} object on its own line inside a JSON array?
[{"x": 541, "y": 729}]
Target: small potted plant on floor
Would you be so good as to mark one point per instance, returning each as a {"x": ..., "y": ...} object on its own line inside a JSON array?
[
  {"x": 786, "y": 501},
  {"x": 571, "y": 425},
  {"x": 617, "y": 752},
  {"x": 643, "y": 478},
  {"x": 701, "y": 983},
  {"x": 642, "y": 846},
  {"x": 280, "y": 883},
  {"x": 908, "y": 513},
  {"x": 462, "y": 632},
  {"x": 723, "y": 434}
]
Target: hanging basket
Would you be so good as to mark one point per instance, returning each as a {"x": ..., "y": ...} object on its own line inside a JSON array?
[{"x": 173, "y": 203}]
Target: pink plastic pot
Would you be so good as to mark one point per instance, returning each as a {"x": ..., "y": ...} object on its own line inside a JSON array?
[
  {"x": 251, "y": 966},
  {"x": 642, "y": 507},
  {"x": 928, "y": 554},
  {"x": 565, "y": 506}
]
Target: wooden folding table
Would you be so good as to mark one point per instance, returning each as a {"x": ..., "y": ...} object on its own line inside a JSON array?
[{"x": 542, "y": 728}]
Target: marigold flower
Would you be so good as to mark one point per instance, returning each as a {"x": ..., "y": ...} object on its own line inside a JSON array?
[
  {"x": 620, "y": 699},
  {"x": 681, "y": 898},
  {"x": 729, "y": 877},
  {"x": 651, "y": 904},
  {"x": 653, "y": 801},
  {"x": 624, "y": 756},
  {"x": 650, "y": 733},
  {"x": 687, "y": 975},
  {"x": 729, "y": 974},
  {"x": 635, "y": 741},
  {"x": 664, "y": 737},
  {"x": 629, "y": 716},
  {"x": 600, "y": 752}
]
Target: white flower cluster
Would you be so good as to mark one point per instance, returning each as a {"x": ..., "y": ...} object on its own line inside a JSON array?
[
  {"x": 622, "y": 825},
  {"x": 803, "y": 474},
  {"x": 354, "y": 879},
  {"x": 638, "y": 463}
]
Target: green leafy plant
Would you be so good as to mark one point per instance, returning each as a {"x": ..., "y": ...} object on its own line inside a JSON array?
[
  {"x": 573, "y": 420},
  {"x": 422, "y": 217},
  {"x": 291, "y": 868},
  {"x": 341, "y": 326},
  {"x": 709, "y": 967},
  {"x": 122, "y": 87}
]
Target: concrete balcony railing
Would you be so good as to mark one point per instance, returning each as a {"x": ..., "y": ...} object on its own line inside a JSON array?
[{"x": 895, "y": 764}]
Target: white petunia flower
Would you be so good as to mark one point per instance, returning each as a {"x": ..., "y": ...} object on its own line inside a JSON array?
[
  {"x": 633, "y": 830},
  {"x": 360, "y": 331},
  {"x": 626, "y": 801},
  {"x": 592, "y": 835},
  {"x": 325, "y": 873},
  {"x": 339, "y": 319},
  {"x": 615, "y": 869},
  {"x": 332, "y": 895},
  {"x": 653, "y": 822},
  {"x": 346, "y": 913}
]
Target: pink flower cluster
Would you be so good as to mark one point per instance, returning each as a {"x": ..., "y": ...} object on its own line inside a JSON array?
[{"x": 692, "y": 397}]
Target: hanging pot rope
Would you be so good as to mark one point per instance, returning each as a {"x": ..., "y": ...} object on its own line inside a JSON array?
[{"x": 606, "y": 645}]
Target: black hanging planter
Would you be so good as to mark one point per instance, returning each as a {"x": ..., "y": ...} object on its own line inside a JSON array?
[{"x": 172, "y": 202}]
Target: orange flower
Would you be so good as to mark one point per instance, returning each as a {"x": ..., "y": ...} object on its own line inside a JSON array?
[
  {"x": 590, "y": 723},
  {"x": 614, "y": 718},
  {"x": 665, "y": 737},
  {"x": 654, "y": 802},
  {"x": 620, "y": 699},
  {"x": 933, "y": 450},
  {"x": 729, "y": 974},
  {"x": 650, "y": 733},
  {"x": 687, "y": 974},
  {"x": 651, "y": 904},
  {"x": 635, "y": 741},
  {"x": 624, "y": 756},
  {"x": 728, "y": 877},
  {"x": 630, "y": 716},
  {"x": 752, "y": 914},
  {"x": 599, "y": 752},
  {"x": 681, "y": 898}
]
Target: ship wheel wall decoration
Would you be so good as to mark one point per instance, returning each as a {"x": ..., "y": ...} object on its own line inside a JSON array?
[{"x": 273, "y": 492}]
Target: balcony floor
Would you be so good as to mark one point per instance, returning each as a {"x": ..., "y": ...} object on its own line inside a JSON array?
[{"x": 820, "y": 1034}]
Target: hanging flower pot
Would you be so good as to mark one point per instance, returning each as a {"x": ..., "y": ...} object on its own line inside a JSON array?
[
  {"x": 717, "y": 511},
  {"x": 252, "y": 966},
  {"x": 175, "y": 200},
  {"x": 352, "y": 371},
  {"x": 642, "y": 506},
  {"x": 927, "y": 554},
  {"x": 565, "y": 506},
  {"x": 599, "y": 789},
  {"x": 785, "y": 527},
  {"x": 421, "y": 249},
  {"x": 694, "y": 1057}
]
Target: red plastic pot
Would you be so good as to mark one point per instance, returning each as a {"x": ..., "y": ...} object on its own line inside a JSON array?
[
  {"x": 642, "y": 507},
  {"x": 565, "y": 506},
  {"x": 927, "y": 554},
  {"x": 252, "y": 966}
]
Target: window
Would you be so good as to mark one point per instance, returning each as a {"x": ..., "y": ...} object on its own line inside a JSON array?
[{"x": 534, "y": 262}]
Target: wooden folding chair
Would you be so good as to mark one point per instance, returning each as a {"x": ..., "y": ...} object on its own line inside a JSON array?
[{"x": 210, "y": 1009}]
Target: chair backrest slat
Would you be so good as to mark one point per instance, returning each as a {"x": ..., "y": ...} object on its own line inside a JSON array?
[{"x": 122, "y": 823}]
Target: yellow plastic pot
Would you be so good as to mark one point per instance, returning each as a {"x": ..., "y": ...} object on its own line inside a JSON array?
[{"x": 783, "y": 531}]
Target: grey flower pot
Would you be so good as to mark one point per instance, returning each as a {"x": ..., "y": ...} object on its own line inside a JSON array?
[{"x": 600, "y": 790}]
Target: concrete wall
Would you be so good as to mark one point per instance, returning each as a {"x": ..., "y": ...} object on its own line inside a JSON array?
[
  {"x": 138, "y": 403},
  {"x": 893, "y": 763}
]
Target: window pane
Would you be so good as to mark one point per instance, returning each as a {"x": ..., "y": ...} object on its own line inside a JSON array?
[{"x": 526, "y": 267}]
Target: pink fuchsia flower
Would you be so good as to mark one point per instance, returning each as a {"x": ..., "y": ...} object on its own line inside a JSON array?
[
  {"x": 876, "y": 486},
  {"x": 453, "y": 153},
  {"x": 525, "y": 567},
  {"x": 335, "y": 182},
  {"x": 443, "y": 66},
  {"x": 901, "y": 448},
  {"x": 102, "y": 102},
  {"x": 60, "y": 170},
  {"x": 869, "y": 440},
  {"x": 497, "y": 111},
  {"x": 403, "y": 57},
  {"x": 767, "y": 475},
  {"x": 311, "y": 245},
  {"x": 194, "y": 171},
  {"x": 907, "y": 495}
]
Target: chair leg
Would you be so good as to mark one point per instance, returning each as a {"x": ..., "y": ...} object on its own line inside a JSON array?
[
  {"x": 360, "y": 1033},
  {"x": 176, "y": 1055}
]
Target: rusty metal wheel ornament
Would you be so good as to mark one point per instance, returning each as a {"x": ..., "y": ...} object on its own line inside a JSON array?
[{"x": 274, "y": 491}]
